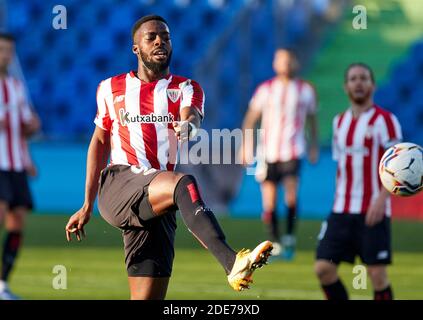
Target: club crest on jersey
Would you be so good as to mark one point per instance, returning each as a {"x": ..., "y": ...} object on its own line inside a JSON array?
[{"x": 173, "y": 94}]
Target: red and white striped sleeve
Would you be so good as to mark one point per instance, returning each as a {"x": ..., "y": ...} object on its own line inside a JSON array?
[
  {"x": 309, "y": 98},
  {"x": 260, "y": 97},
  {"x": 192, "y": 96},
  {"x": 102, "y": 118},
  {"x": 390, "y": 130}
]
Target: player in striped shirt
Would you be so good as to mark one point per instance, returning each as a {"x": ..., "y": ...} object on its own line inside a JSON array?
[
  {"x": 142, "y": 117},
  {"x": 17, "y": 123},
  {"x": 359, "y": 224},
  {"x": 285, "y": 104}
]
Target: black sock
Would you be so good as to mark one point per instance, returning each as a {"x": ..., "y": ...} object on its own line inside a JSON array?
[
  {"x": 335, "y": 291},
  {"x": 10, "y": 251},
  {"x": 290, "y": 220},
  {"x": 201, "y": 222},
  {"x": 385, "y": 294},
  {"x": 270, "y": 219}
]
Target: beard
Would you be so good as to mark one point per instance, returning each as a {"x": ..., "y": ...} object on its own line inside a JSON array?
[
  {"x": 360, "y": 99},
  {"x": 156, "y": 67}
]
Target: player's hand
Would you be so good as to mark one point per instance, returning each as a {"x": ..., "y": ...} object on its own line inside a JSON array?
[
  {"x": 76, "y": 224},
  {"x": 182, "y": 129},
  {"x": 313, "y": 154},
  {"x": 32, "y": 171},
  {"x": 376, "y": 212},
  {"x": 32, "y": 126}
]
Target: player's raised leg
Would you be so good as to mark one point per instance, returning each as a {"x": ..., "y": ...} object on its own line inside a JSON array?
[
  {"x": 168, "y": 189},
  {"x": 332, "y": 286},
  {"x": 381, "y": 286}
]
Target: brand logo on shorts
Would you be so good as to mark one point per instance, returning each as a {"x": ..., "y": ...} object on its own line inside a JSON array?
[
  {"x": 173, "y": 94},
  {"x": 125, "y": 118},
  {"x": 382, "y": 254}
]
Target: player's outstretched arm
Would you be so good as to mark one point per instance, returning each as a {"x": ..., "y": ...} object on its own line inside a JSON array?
[{"x": 98, "y": 155}]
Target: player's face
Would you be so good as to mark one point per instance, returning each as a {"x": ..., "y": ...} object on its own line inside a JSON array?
[
  {"x": 153, "y": 46},
  {"x": 6, "y": 53},
  {"x": 359, "y": 85},
  {"x": 283, "y": 63}
]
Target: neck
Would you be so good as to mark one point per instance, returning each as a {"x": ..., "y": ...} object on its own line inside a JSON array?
[
  {"x": 283, "y": 78},
  {"x": 358, "y": 109},
  {"x": 146, "y": 75},
  {"x": 3, "y": 73}
]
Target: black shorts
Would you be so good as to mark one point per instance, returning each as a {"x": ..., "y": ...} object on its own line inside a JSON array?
[
  {"x": 279, "y": 170},
  {"x": 148, "y": 240},
  {"x": 345, "y": 236},
  {"x": 14, "y": 189}
]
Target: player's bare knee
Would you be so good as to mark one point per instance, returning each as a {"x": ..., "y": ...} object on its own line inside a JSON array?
[
  {"x": 325, "y": 271},
  {"x": 378, "y": 276}
]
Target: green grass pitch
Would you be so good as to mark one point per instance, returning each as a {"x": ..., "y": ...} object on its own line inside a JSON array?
[{"x": 95, "y": 267}]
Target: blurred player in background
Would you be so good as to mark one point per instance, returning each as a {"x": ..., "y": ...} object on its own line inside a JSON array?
[
  {"x": 360, "y": 221},
  {"x": 139, "y": 192},
  {"x": 17, "y": 123},
  {"x": 285, "y": 103}
]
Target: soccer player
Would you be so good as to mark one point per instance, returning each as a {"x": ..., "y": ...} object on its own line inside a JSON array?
[
  {"x": 285, "y": 103},
  {"x": 17, "y": 122},
  {"x": 359, "y": 224},
  {"x": 141, "y": 117}
]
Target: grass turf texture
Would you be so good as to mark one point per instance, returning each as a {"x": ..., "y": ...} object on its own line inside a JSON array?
[{"x": 95, "y": 268}]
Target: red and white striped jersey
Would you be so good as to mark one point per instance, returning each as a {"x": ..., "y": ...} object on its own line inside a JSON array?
[
  {"x": 139, "y": 116},
  {"x": 358, "y": 144},
  {"x": 284, "y": 108},
  {"x": 14, "y": 112}
]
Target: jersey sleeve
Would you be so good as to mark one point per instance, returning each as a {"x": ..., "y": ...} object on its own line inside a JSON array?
[
  {"x": 259, "y": 99},
  {"x": 335, "y": 153},
  {"x": 390, "y": 130},
  {"x": 102, "y": 118},
  {"x": 309, "y": 98},
  {"x": 192, "y": 96}
]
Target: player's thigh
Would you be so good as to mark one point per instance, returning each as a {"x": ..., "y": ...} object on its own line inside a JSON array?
[
  {"x": 148, "y": 288},
  {"x": 269, "y": 194},
  {"x": 161, "y": 191},
  {"x": 15, "y": 219}
]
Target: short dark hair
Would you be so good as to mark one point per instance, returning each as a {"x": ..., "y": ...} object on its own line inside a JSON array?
[
  {"x": 359, "y": 64},
  {"x": 144, "y": 19},
  {"x": 7, "y": 36}
]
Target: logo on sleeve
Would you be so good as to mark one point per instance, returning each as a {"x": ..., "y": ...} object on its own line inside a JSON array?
[{"x": 173, "y": 94}]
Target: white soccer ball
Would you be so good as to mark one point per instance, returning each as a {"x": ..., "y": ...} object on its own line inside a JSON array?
[{"x": 401, "y": 169}]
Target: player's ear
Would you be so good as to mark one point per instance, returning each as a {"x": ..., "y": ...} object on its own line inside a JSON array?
[{"x": 135, "y": 49}]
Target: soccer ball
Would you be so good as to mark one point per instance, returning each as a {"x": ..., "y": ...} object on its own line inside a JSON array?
[{"x": 401, "y": 169}]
